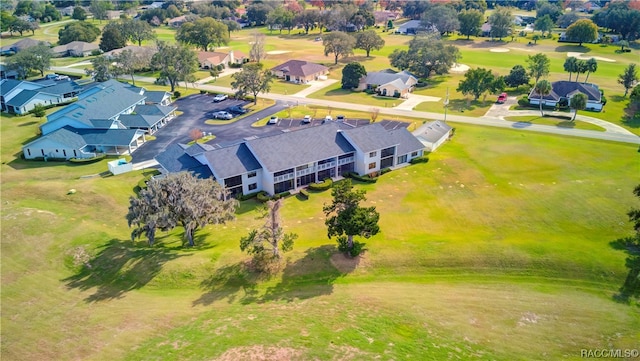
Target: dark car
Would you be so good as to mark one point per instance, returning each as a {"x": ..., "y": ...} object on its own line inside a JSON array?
[{"x": 237, "y": 109}]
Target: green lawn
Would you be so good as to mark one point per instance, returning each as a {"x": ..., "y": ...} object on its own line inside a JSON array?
[
  {"x": 501, "y": 239},
  {"x": 336, "y": 93},
  {"x": 559, "y": 122},
  {"x": 472, "y": 108}
]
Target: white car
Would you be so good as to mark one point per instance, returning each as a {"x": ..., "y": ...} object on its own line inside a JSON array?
[
  {"x": 273, "y": 120},
  {"x": 306, "y": 119},
  {"x": 222, "y": 115},
  {"x": 219, "y": 97},
  {"x": 328, "y": 118}
]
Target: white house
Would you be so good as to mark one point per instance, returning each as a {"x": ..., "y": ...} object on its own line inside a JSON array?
[
  {"x": 433, "y": 134},
  {"x": 290, "y": 160},
  {"x": 389, "y": 83},
  {"x": 563, "y": 91}
]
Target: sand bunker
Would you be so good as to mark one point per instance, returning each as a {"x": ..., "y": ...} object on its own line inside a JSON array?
[
  {"x": 459, "y": 68},
  {"x": 276, "y": 52},
  {"x": 498, "y": 50},
  {"x": 584, "y": 56}
]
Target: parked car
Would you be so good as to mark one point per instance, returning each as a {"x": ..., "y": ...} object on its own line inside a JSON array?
[
  {"x": 237, "y": 109},
  {"x": 306, "y": 119},
  {"x": 219, "y": 98},
  {"x": 328, "y": 118},
  {"x": 222, "y": 115},
  {"x": 340, "y": 118},
  {"x": 273, "y": 120},
  {"x": 502, "y": 98}
]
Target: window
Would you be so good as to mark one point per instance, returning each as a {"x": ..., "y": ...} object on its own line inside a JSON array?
[
  {"x": 251, "y": 175},
  {"x": 414, "y": 154},
  {"x": 372, "y": 165},
  {"x": 29, "y": 151},
  {"x": 372, "y": 154},
  {"x": 64, "y": 152},
  {"x": 253, "y": 186},
  {"x": 42, "y": 150}
]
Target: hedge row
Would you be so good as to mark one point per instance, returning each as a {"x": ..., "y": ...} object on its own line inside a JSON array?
[
  {"x": 361, "y": 178},
  {"x": 264, "y": 197},
  {"x": 88, "y": 160},
  {"x": 304, "y": 194},
  {"x": 417, "y": 160},
  {"x": 323, "y": 186}
]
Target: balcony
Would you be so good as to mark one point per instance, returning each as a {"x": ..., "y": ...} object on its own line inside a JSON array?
[
  {"x": 326, "y": 166},
  {"x": 305, "y": 171},
  {"x": 346, "y": 160},
  {"x": 282, "y": 178}
]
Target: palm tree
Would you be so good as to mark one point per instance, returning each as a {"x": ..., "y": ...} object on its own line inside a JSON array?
[
  {"x": 571, "y": 65},
  {"x": 592, "y": 66},
  {"x": 578, "y": 102},
  {"x": 581, "y": 68},
  {"x": 543, "y": 88}
]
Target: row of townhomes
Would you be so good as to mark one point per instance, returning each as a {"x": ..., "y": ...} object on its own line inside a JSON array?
[
  {"x": 289, "y": 160},
  {"x": 108, "y": 118},
  {"x": 20, "y": 97}
]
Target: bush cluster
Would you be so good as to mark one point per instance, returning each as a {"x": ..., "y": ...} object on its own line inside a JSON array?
[
  {"x": 88, "y": 160},
  {"x": 304, "y": 194},
  {"x": 417, "y": 160},
  {"x": 361, "y": 178},
  {"x": 246, "y": 197},
  {"x": 263, "y": 196},
  {"x": 322, "y": 186}
]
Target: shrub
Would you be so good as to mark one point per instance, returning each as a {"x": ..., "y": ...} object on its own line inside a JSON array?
[
  {"x": 176, "y": 94},
  {"x": 262, "y": 196},
  {"x": 423, "y": 159},
  {"x": 235, "y": 66},
  {"x": 343, "y": 247},
  {"x": 304, "y": 194},
  {"x": 246, "y": 197},
  {"x": 39, "y": 110},
  {"x": 385, "y": 170},
  {"x": 524, "y": 101},
  {"x": 364, "y": 179},
  {"x": 323, "y": 186}
]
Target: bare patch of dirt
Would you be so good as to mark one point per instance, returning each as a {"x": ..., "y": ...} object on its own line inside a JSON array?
[
  {"x": 346, "y": 264},
  {"x": 260, "y": 353}
]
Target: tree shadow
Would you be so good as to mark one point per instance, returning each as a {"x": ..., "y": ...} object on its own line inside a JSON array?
[
  {"x": 227, "y": 282},
  {"x": 572, "y": 48},
  {"x": 120, "y": 267},
  {"x": 310, "y": 276},
  {"x": 631, "y": 286}
]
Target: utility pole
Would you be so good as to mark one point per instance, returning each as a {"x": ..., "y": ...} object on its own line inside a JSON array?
[{"x": 446, "y": 105}]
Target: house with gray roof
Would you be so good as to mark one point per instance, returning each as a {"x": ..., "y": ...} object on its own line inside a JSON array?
[
  {"x": 75, "y": 48},
  {"x": 389, "y": 83},
  {"x": 562, "y": 91},
  {"x": 21, "y": 45},
  {"x": 290, "y": 160},
  {"x": 20, "y": 97},
  {"x": 109, "y": 117},
  {"x": 433, "y": 134},
  {"x": 299, "y": 71}
]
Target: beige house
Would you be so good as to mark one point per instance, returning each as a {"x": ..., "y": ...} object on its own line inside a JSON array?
[
  {"x": 211, "y": 59},
  {"x": 299, "y": 71},
  {"x": 75, "y": 48},
  {"x": 389, "y": 83}
]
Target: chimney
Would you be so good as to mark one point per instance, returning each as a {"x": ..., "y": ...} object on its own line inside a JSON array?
[{"x": 232, "y": 59}]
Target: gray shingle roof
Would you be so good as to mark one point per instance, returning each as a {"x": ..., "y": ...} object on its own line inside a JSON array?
[
  {"x": 407, "y": 142},
  {"x": 8, "y": 85},
  {"x": 22, "y": 97},
  {"x": 174, "y": 159},
  {"x": 384, "y": 77},
  {"x": 300, "y": 68},
  {"x": 198, "y": 148},
  {"x": 108, "y": 137},
  {"x": 63, "y": 87},
  {"x": 23, "y": 44},
  {"x": 411, "y": 24},
  {"x": 154, "y": 109},
  {"x": 286, "y": 150},
  {"x": 432, "y": 131},
  {"x": 566, "y": 89},
  {"x": 155, "y": 96},
  {"x": 231, "y": 161},
  {"x": 139, "y": 120},
  {"x": 65, "y": 136},
  {"x": 77, "y": 46},
  {"x": 103, "y": 101},
  {"x": 370, "y": 137}
]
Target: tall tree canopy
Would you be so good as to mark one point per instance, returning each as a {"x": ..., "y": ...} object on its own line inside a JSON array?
[
  {"x": 345, "y": 216},
  {"x": 470, "y": 22},
  {"x": 583, "y": 30},
  {"x": 578, "y": 102},
  {"x": 478, "y": 81},
  {"x": 339, "y": 44},
  {"x": 544, "y": 24},
  {"x": 179, "y": 199},
  {"x": 426, "y": 55},
  {"x": 539, "y": 65},
  {"x": 112, "y": 37},
  {"x": 621, "y": 18},
  {"x": 501, "y": 23},
  {"x": 257, "y": 52},
  {"x": 78, "y": 31},
  {"x": 351, "y": 75},
  {"x": 442, "y": 17},
  {"x": 369, "y": 40},
  {"x": 101, "y": 69},
  {"x": 203, "y": 33},
  {"x": 36, "y": 58},
  {"x": 252, "y": 80},
  {"x": 175, "y": 62},
  {"x": 517, "y": 76},
  {"x": 542, "y": 88},
  {"x": 628, "y": 78}
]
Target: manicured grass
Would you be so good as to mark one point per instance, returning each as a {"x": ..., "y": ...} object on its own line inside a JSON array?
[
  {"x": 474, "y": 108},
  {"x": 479, "y": 254},
  {"x": 559, "y": 122},
  {"x": 336, "y": 93}
]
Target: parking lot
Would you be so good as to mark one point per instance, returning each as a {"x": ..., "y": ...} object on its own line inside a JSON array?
[{"x": 199, "y": 108}]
